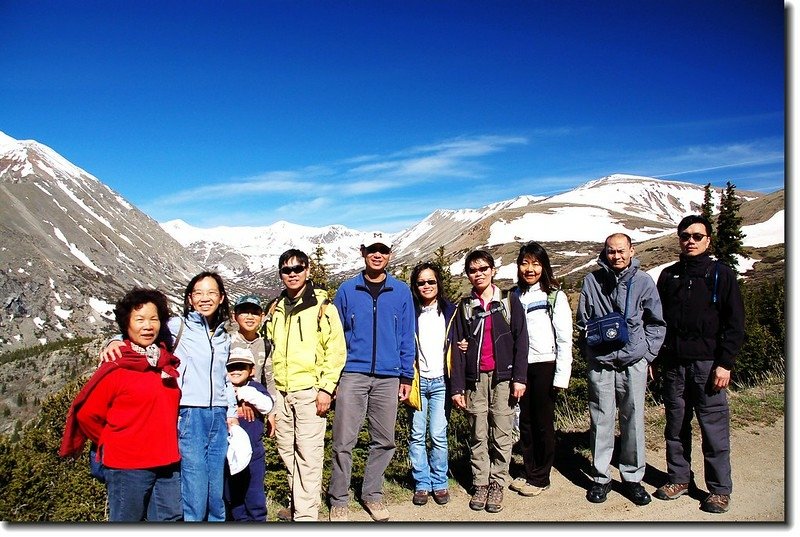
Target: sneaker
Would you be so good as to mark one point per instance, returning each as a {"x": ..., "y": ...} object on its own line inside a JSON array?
[
  {"x": 531, "y": 490},
  {"x": 377, "y": 510},
  {"x": 339, "y": 513},
  {"x": 518, "y": 483},
  {"x": 598, "y": 492},
  {"x": 716, "y": 503},
  {"x": 479, "y": 497},
  {"x": 420, "y": 497},
  {"x": 285, "y": 514},
  {"x": 670, "y": 491},
  {"x": 495, "y": 499},
  {"x": 441, "y": 496},
  {"x": 637, "y": 494}
]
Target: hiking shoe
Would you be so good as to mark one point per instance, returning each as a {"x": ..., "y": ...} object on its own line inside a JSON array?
[
  {"x": 518, "y": 483},
  {"x": 377, "y": 510},
  {"x": 285, "y": 514},
  {"x": 716, "y": 503},
  {"x": 339, "y": 513},
  {"x": 637, "y": 494},
  {"x": 479, "y": 497},
  {"x": 420, "y": 497},
  {"x": 441, "y": 496},
  {"x": 598, "y": 492},
  {"x": 495, "y": 498},
  {"x": 529, "y": 489},
  {"x": 670, "y": 491}
]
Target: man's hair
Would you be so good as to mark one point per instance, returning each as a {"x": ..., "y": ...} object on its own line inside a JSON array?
[
  {"x": 695, "y": 219},
  {"x": 547, "y": 280},
  {"x": 134, "y": 300},
  {"x": 476, "y": 255},
  {"x": 613, "y": 235},
  {"x": 290, "y": 253}
]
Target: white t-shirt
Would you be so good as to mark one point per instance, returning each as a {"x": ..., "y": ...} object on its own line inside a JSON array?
[{"x": 431, "y": 342}]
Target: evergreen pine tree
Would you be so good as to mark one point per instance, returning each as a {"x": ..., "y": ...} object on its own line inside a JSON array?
[
  {"x": 449, "y": 285},
  {"x": 729, "y": 228},
  {"x": 319, "y": 272},
  {"x": 707, "y": 210}
]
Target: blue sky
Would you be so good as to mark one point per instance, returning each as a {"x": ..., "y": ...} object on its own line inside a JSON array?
[{"x": 372, "y": 114}]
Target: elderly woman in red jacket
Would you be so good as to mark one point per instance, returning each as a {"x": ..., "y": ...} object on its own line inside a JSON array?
[{"x": 129, "y": 409}]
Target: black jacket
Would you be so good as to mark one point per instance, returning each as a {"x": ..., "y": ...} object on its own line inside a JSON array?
[
  {"x": 510, "y": 345},
  {"x": 705, "y": 318}
]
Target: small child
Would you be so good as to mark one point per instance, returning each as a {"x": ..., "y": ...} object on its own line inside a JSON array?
[{"x": 244, "y": 491}]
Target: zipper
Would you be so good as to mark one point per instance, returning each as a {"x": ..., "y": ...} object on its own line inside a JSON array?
[
  {"x": 374, "y": 333},
  {"x": 210, "y": 365}
]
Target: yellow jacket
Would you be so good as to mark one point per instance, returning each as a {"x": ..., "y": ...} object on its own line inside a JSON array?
[{"x": 308, "y": 344}]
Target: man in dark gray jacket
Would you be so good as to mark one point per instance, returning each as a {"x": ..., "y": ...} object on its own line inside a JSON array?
[{"x": 618, "y": 371}]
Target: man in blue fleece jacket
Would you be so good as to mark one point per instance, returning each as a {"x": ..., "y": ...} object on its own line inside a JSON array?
[{"x": 377, "y": 313}]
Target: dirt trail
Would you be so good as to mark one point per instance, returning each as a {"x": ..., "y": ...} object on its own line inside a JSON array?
[{"x": 758, "y": 477}]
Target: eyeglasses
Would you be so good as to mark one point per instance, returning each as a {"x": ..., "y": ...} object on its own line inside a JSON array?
[
  {"x": 378, "y": 248},
  {"x": 686, "y": 236},
  {"x": 475, "y": 270},
  {"x": 204, "y": 294},
  {"x": 421, "y": 283},
  {"x": 296, "y": 269}
]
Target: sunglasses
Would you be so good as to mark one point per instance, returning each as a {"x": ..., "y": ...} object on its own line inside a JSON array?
[
  {"x": 379, "y": 248},
  {"x": 240, "y": 366},
  {"x": 686, "y": 236},
  {"x": 421, "y": 283},
  {"x": 296, "y": 269},
  {"x": 475, "y": 270}
]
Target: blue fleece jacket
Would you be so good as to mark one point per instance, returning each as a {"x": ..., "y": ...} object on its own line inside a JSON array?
[
  {"x": 203, "y": 378},
  {"x": 379, "y": 332}
]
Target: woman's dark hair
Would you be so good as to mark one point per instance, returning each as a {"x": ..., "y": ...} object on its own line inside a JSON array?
[
  {"x": 476, "y": 255},
  {"x": 415, "y": 272},
  {"x": 223, "y": 312},
  {"x": 535, "y": 250},
  {"x": 134, "y": 300}
]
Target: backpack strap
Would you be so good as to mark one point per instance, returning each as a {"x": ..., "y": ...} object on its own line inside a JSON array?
[
  {"x": 180, "y": 333},
  {"x": 321, "y": 312}
]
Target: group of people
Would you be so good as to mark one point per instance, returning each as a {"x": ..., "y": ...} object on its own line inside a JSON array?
[{"x": 170, "y": 391}]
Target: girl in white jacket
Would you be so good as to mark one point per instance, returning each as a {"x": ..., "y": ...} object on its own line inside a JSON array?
[{"x": 549, "y": 323}]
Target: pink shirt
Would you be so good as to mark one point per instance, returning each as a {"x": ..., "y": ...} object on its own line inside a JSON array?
[{"x": 487, "y": 343}]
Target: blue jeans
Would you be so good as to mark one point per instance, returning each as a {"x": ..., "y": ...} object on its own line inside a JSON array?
[
  {"x": 152, "y": 494},
  {"x": 429, "y": 470},
  {"x": 203, "y": 443}
]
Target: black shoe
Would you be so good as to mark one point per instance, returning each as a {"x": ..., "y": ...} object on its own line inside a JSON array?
[
  {"x": 598, "y": 492},
  {"x": 637, "y": 494}
]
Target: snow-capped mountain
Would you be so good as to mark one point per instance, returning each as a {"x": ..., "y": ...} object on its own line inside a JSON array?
[
  {"x": 70, "y": 247},
  {"x": 239, "y": 252}
]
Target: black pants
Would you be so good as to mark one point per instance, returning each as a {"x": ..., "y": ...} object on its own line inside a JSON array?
[
  {"x": 688, "y": 393},
  {"x": 536, "y": 424}
]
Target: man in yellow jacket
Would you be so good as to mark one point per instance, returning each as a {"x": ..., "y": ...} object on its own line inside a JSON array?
[{"x": 308, "y": 356}]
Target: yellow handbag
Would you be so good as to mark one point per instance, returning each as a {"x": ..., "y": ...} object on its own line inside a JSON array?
[{"x": 414, "y": 396}]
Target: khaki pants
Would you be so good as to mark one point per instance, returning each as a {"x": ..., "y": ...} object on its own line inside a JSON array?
[
  {"x": 300, "y": 438},
  {"x": 491, "y": 418}
]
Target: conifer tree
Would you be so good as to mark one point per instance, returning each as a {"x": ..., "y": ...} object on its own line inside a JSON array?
[
  {"x": 449, "y": 286},
  {"x": 729, "y": 228},
  {"x": 707, "y": 210},
  {"x": 319, "y": 272}
]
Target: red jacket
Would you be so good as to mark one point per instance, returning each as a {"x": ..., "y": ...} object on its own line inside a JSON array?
[{"x": 129, "y": 411}]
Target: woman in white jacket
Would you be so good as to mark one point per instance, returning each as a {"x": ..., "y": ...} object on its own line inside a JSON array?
[{"x": 549, "y": 323}]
